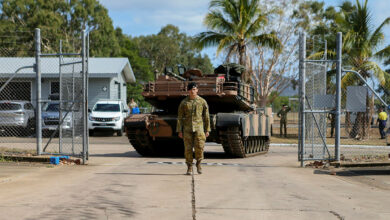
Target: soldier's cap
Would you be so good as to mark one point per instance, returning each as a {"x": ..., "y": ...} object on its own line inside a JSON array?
[{"x": 191, "y": 85}]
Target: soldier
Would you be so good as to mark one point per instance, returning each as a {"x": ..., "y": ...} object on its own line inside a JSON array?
[
  {"x": 282, "y": 114},
  {"x": 332, "y": 118},
  {"x": 193, "y": 125},
  {"x": 382, "y": 118}
]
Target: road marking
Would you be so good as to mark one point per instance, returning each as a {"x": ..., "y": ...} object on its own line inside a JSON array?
[{"x": 207, "y": 164}]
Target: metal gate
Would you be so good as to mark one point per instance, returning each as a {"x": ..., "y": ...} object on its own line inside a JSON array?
[
  {"x": 316, "y": 105},
  {"x": 62, "y": 117},
  {"x": 43, "y": 97}
]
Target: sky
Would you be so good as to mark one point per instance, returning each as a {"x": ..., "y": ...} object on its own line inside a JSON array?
[{"x": 144, "y": 17}]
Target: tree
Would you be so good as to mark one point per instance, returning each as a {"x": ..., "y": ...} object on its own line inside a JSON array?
[
  {"x": 58, "y": 20},
  {"x": 360, "y": 44},
  {"x": 170, "y": 47},
  {"x": 140, "y": 65},
  {"x": 234, "y": 25},
  {"x": 153, "y": 52},
  {"x": 273, "y": 69}
]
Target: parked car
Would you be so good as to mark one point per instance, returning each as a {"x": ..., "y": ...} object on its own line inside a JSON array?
[
  {"x": 17, "y": 116},
  {"x": 108, "y": 115},
  {"x": 51, "y": 118}
]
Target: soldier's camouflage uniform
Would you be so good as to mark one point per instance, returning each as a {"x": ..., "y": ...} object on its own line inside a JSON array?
[
  {"x": 282, "y": 114},
  {"x": 193, "y": 121},
  {"x": 332, "y": 118}
]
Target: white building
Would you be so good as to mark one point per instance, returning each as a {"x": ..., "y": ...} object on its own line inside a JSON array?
[{"x": 107, "y": 78}]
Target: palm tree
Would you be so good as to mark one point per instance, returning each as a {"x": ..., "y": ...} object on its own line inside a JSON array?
[
  {"x": 233, "y": 26},
  {"x": 361, "y": 42},
  {"x": 360, "y": 45}
]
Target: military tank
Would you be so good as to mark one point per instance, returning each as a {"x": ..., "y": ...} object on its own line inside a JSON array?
[{"x": 237, "y": 123}]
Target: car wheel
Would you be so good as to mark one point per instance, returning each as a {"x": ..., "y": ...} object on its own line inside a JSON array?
[
  {"x": 91, "y": 133},
  {"x": 29, "y": 130},
  {"x": 119, "y": 133}
]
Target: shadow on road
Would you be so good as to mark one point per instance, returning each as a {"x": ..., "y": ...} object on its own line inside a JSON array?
[
  {"x": 363, "y": 172},
  {"x": 207, "y": 155},
  {"x": 126, "y": 154},
  {"x": 144, "y": 174},
  {"x": 357, "y": 172}
]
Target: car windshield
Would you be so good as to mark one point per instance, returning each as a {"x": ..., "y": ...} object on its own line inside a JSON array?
[
  {"x": 52, "y": 107},
  {"x": 9, "y": 106},
  {"x": 106, "y": 108}
]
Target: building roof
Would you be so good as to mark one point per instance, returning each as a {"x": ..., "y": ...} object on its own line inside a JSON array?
[{"x": 97, "y": 67}]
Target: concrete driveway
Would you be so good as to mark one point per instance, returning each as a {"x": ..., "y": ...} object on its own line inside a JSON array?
[{"x": 119, "y": 184}]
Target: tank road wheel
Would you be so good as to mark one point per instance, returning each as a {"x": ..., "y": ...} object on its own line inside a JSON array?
[
  {"x": 256, "y": 143},
  {"x": 250, "y": 145},
  {"x": 260, "y": 144},
  {"x": 266, "y": 144},
  {"x": 225, "y": 145},
  {"x": 140, "y": 140},
  {"x": 234, "y": 142},
  {"x": 237, "y": 146}
]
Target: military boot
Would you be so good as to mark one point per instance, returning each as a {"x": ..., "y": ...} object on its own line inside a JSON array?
[
  {"x": 189, "y": 169},
  {"x": 198, "y": 167}
]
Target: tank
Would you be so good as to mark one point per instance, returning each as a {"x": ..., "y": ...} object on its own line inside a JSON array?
[{"x": 237, "y": 123}]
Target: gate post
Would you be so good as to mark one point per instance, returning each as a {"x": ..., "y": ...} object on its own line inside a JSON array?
[
  {"x": 338, "y": 96},
  {"x": 85, "y": 101},
  {"x": 38, "y": 116},
  {"x": 302, "y": 73}
]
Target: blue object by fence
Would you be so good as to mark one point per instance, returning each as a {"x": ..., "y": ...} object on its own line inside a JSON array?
[
  {"x": 55, "y": 160},
  {"x": 135, "y": 110}
]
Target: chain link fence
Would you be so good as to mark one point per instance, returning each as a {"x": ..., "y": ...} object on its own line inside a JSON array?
[
  {"x": 61, "y": 97},
  {"x": 358, "y": 138},
  {"x": 17, "y": 101}
]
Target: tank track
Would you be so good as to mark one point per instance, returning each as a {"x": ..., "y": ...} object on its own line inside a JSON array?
[
  {"x": 236, "y": 146},
  {"x": 146, "y": 146}
]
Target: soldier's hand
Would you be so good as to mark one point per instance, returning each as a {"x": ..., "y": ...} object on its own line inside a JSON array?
[
  {"x": 180, "y": 134},
  {"x": 207, "y": 133}
]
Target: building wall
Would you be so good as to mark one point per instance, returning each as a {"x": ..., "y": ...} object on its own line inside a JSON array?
[
  {"x": 96, "y": 92},
  {"x": 118, "y": 83}
]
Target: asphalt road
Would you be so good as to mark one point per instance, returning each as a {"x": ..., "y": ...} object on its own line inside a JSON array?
[{"x": 119, "y": 184}]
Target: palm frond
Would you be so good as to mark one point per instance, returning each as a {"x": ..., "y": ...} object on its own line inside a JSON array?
[
  {"x": 227, "y": 42},
  {"x": 376, "y": 71},
  {"x": 229, "y": 7},
  {"x": 256, "y": 25},
  {"x": 348, "y": 79},
  {"x": 268, "y": 40},
  {"x": 317, "y": 55},
  {"x": 384, "y": 53},
  {"x": 378, "y": 36},
  {"x": 208, "y": 38},
  {"x": 216, "y": 20}
]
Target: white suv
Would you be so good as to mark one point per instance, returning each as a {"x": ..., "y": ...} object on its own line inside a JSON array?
[{"x": 108, "y": 115}]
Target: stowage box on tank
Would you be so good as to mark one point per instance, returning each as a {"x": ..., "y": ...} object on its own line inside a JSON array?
[{"x": 236, "y": 122}]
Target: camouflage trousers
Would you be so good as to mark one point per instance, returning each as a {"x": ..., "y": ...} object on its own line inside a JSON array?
[
  {"x": 193, "y": 141},
  {"x": 283, "y": 124}
]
